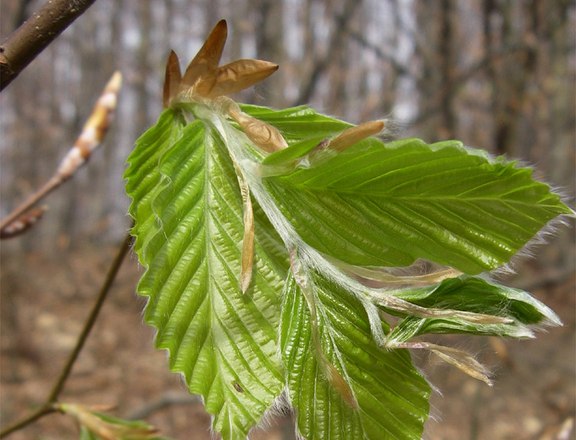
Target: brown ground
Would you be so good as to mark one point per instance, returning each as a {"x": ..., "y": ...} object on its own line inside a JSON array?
[{"x": 45, "y": 299}]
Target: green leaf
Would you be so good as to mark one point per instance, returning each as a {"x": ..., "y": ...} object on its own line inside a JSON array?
[
  {"x": 379, "y": 204},
  {"x": 298, "y": 123},
  {"x": 122, "y": 429},
  {"x": 95, "y": 425},
  {"x": 188, "y": 211},
  {"x": 143, "y": 177},
  {"x": 293, "y": 152},
  {"x": 475, "y": 295},
  {"x": 373, "y": 204},
  {"x": 392, "y": 396}
]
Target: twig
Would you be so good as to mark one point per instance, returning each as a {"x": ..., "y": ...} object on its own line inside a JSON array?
[
  {"x": 90, "y": 138},
  {"x": 398, "y": 66},
  {"x": 112, "y": 272},
  {"x": 38, "y": 414},
  {"x": 49, "y": 406},
  {"x": 26, "y": 42}
]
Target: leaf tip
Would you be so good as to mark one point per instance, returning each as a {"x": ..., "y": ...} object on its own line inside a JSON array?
[
  {"x": 245, "y": 279},
  {"x": 355, "y": 134},
  {"x": 172, "y": 79}
]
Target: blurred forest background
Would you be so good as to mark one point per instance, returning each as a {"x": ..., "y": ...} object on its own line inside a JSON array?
[{"x": 496, "y": 74}]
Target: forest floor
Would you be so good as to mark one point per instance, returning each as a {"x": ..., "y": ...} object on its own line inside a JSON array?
[{"x": 45, "y": 299}]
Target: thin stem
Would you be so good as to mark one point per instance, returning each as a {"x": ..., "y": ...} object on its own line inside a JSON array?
[
  {"x": 46, "y": 189},
  {"x": 44, "y": 410},
  {"x": 110, "y": 276},
  {"x": 48, "y": 407}
]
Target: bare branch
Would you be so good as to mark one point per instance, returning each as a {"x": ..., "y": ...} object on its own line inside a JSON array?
[
  {"x": 388, "y": 57},
  {"x": 102, "y": 295},
  {"x": 30, "y": 39}
]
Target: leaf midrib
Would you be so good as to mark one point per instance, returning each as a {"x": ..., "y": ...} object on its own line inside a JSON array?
[{"x": 426, "y": 198}]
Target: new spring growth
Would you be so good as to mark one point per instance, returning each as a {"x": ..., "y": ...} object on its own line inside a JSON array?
[
  {"x": 106, "y": 427},
  {"x": 347, "y": 138},
  {"x": 93, "y": 131},
  {"x": 204, "y": 81},
  {"x": 90, "y": 139},
  {"x": 354, "y": 135}
]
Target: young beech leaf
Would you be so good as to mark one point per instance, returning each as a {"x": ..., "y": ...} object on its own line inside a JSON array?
[
  {"x": 378, "y": 204},
  {"x": 392, "y": 396},
  {"x": 473, "y": 295},
  {"x": 95, "y": 425},
  {"x": 189, "y": 230},
  {"x": 264, "y": 235},
  {"x": 371, "y": 204}
]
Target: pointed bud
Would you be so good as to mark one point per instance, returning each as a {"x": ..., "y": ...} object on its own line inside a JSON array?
[
  {"x": 94, "y": 129},
  {"x": 265, "y": 136},
  {"x": 354, "y": 135},
  {"x": 239, "y": 75},
  {"x": 206, "y": 60},
  {"x": 172, "y": 79}
]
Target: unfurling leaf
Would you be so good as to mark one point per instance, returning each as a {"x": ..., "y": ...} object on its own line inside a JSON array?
[
  {"x": 392, "y": 396},
  {"x": 387, "y": 205},
  {"x": 276, "y": 242},
  {"x": 95, "y": 425}
]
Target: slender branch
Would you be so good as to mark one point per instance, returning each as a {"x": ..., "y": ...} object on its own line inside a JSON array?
[
  {"x": 38, "y": 414},
  {"x": 49, "y": 407},
  {"x": 110, "y": 276},
  {"x": 90, "y": 139},
  {"x": 34, "y": 198},
  {"x": 35, "y": 34},
  {"x": 381, "y": 53}
]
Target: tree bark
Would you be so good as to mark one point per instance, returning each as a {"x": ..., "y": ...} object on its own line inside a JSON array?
[{"x": 26, "y": 42}]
